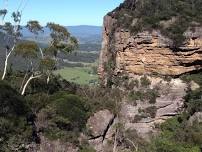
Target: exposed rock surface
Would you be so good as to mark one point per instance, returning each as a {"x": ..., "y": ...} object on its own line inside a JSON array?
[
  {"x": 148, "y": 52},
  {"x": 101, "y": 129},
  {"x": 169, "y": 103},
  {"x": 194, "y": 86},
  {"x": 197, "y": 117}
]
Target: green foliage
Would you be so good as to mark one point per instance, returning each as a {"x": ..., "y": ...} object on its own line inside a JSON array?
[
  {"x": 76, "y": 113},
  {"x": 144, "y": 95},
  {"x": 11, "y": 103},
  {"x": 37, "y": 101},
  {"x": 47, "y": 64},
  {"x": 79, "y": 75},
  {"x": 102, "y": 98},
  {"x": 147, "y": 15},
  {"x": 67, "y": 116},
  {"x": 27, "y": 49},
  {"x": 136, "y": 95},
  {"x": 193, "y": 77},
  {"x": 14, "y": 129},
  {"x": 144, "y": 81},
  {"x": 193, "y": 99},
  {"x": 34, "y": 27},
  {"x": 61, "y": 40}
]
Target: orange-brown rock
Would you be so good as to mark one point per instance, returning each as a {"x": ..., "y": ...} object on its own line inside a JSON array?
[{"x": 149, "y": 52}]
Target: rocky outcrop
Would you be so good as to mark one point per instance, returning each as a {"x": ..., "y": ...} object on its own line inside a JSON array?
[
  {"x": 101, "y": 129},
  {"x": 196, "y": 118},
  {"x": 148, "y": 52},
  {"x": 144, "y": 116}
]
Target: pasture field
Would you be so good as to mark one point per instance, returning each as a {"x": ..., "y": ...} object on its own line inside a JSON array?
[{"x": 79, "y": 75}]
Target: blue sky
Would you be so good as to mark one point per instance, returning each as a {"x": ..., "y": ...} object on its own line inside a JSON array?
[{"x": 64, "y": 12}]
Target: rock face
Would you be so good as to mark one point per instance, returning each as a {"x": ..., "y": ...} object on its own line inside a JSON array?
[
  {"x": 197, "y": 117},
  {"x": 144, "y": 116},
  {"x": 148, "y": 52},
  {"x": 101, "y": 129}
]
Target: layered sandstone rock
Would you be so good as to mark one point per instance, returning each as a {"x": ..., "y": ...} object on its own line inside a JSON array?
[{"x": 148, "y": 52}]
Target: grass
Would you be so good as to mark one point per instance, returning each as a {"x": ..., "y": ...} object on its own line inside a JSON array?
[{"x": 79, "y": 75}]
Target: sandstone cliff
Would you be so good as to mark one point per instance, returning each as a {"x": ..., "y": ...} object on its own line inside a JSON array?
[
  {"x": 127, "y": 57},
  {"x": 147, "y": 52}
]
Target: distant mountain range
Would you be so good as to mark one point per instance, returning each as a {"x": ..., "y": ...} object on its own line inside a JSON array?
[
  {"x": 84, "y": 33},
  {"x": 89, "y": 41}
]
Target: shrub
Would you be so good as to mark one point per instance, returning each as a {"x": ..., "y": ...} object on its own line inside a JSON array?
[
  {"x": 14, "y": 111},
  {"x": 67, "y": 115},
  {"x": 144, "y": 81},
  {"x": 144, "y": 95},
  {"x": 151, "y": 95},
  {"x": 102, "y": 98},
  {"x": 136, "y": 95}
]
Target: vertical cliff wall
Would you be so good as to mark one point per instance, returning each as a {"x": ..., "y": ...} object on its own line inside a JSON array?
[{"x": 147, "y": 51}]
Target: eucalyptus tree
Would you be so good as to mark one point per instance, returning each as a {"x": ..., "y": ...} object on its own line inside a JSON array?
[
  {"x": 29, "y": 51},
  {"x": 34, "y": 27},
  {"x": 61, "y": 41},
  {"x": 12, "y": 32}
]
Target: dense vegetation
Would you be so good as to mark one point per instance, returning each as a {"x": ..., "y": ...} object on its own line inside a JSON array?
[
  {"x": 14, "y": 127},
  {"x": 171, "y": 17}
]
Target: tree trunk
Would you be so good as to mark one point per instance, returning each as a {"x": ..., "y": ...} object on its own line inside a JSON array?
[
  {"x": 23, "y": 81},
  {"x": 28, "y": 81},
  {"x": 48, "y": 79},
  {"x": 6, "y": 63},
  {"x": 41, "y": 51}
]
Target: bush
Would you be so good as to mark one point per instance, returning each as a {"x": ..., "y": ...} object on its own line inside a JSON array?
[
  {"x": 144, "y": 95},
  {"x": 11, "y": 103},
  {"x": 136, "y": 95},
  {"x": 14, "y": 111},
  {"x": 102, "y": 98},
  {"x": 66, "y": 115},
  {"x": 145, "y": 82}
]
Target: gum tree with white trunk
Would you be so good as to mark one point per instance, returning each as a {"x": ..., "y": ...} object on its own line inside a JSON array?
[
  {"x": 60, "y": 41},
  {"x": 29, "y": 51},
  {"x": 12, "y": 33}
]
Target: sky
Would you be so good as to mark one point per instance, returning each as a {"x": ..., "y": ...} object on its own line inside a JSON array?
[{"x": 64, "y": 12}]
